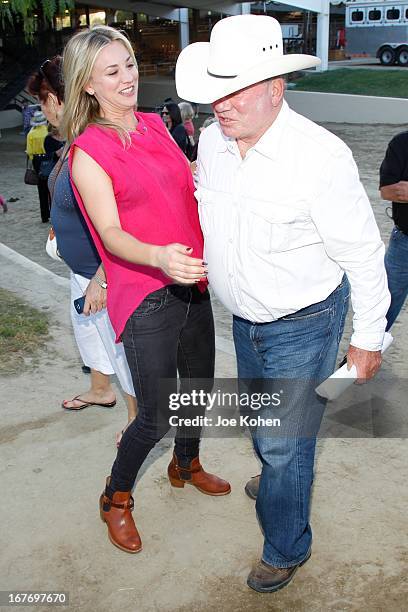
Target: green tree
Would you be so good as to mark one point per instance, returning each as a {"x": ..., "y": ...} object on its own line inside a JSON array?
[{"x": 24, "y": 10}]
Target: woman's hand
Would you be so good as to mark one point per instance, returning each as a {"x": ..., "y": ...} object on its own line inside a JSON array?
[
  {"x": 176, "y": 262},
  {"x": 95, "y": 298}
]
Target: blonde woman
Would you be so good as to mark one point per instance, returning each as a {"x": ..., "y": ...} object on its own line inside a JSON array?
[{"x": 135, "y": 189}]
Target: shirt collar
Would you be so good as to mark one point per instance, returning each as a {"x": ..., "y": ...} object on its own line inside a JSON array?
[{"x": 269, "y": 142}]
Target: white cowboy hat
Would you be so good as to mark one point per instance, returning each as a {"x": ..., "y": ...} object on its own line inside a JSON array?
[
  {"x": 38, "y": 119},
  {"x": 243, "y": 50}
]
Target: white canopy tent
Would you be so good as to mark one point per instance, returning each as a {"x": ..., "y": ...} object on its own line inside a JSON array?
[{"x": 168, "y": 9}]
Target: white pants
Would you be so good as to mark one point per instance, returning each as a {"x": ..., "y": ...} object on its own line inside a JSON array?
[{"x": 96, "y": 339}]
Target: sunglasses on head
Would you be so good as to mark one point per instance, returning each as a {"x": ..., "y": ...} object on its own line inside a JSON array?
[
  {"x": 44, "y": 67},
  {"x": 50, "y": 77}
]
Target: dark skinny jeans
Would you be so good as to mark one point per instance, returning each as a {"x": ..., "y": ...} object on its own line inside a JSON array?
[{"x": 172, "y": 329}]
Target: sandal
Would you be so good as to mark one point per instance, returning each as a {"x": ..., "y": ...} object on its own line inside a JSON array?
[{"x": 86, "y": 404}]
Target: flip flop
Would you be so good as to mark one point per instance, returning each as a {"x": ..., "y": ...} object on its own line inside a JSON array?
[{"x": 86, "y": 404}]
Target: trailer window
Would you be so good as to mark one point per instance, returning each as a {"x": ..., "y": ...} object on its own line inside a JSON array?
[
  {"x": 374, "y": 15},
  {"x": 393, "y": 14},
  {"x": 357, "y": 16}
]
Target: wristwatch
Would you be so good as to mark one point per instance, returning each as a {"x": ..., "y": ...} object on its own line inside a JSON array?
[{"x": 100, "y": 282}]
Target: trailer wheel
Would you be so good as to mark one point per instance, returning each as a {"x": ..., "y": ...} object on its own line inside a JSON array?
[
  {"x": 402, "y": 57},
  {"x": 387, "y": 56}
]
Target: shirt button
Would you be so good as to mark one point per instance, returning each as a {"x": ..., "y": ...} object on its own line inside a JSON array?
[
  {"x": 230, "y": 241},
  {"x": 231, "y": 275}
]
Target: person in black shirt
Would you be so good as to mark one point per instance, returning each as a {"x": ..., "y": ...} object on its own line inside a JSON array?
[
  {"x": 172, "y": 118},
  {"x": 52, "y": 144},
  {"x": 394, "y": 187}
]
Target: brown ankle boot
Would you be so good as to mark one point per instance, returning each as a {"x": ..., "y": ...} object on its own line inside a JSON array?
[
  {"x": 116, "y": 513},
  {"x": 195, "y": 475}
]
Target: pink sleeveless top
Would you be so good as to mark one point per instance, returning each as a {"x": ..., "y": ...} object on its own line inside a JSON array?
[{"x": 154, "y": 192}]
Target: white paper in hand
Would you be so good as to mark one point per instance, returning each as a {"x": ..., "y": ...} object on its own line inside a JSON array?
[{"x": 342, "y": 378}]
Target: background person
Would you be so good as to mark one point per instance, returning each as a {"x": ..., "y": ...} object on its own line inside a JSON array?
[
  {"x": 28, "y": 112},
  {"x": 36, "y": 153},
  {"x": 282, "y": 225},
  {"x": 3, "y": 204},
  {"x": 53, "y": 145},
  {"x": 394, "y": 187},
  {"x": 135, "y": 189},
  {"x": 206, "y": 123},
  {"x": 93, "y": 332},
  {"x": 187, "y": 116},
  {"x": 172, "y": 119}
]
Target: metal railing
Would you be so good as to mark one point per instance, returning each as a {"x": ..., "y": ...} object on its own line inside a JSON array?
[{"x": 160, "y": 68}]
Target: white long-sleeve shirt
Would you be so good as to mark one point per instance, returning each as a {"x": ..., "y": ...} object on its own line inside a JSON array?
[{"x": 282, "y": 225}]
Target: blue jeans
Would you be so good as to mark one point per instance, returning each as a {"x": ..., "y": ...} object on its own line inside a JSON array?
[
  {"x": 396, "y": 264},
  {"x": 301, "y": 347}
]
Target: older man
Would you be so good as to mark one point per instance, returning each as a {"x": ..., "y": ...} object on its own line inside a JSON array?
[{"x": 287, "y": 226}]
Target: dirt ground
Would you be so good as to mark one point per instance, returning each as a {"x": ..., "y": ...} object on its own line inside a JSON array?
[{"x": 197, "y": 550}]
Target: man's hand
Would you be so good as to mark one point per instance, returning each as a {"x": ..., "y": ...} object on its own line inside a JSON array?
[
  {"x": 95, "y": 298},
  {"x": 367, "y": 363},
  {"x": 398, "y": 192},
  {"x": 176, "y": 262}
]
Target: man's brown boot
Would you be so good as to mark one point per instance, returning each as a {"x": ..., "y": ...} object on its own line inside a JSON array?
[
  {"x": 117, "y": 514},
  {"x": 195, "y": 475},
  {"x": 265, "y": 578}
]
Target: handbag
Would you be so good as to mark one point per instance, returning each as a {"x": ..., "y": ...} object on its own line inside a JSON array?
[
  {"x": 51, "y": 246},
  {"x": 30, "y": 176}
]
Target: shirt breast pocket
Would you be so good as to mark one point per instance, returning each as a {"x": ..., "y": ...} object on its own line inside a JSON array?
[
  {"x": 207, "y": 210},
  {"x": 279, "y": 228}
]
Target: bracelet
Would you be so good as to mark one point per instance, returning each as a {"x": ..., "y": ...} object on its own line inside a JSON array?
[{"x": 100, "y": 282}]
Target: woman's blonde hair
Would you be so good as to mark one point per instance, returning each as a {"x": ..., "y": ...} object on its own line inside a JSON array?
[
  {"x": 81, "y": 109},
  {"x": 186, "y": 111}
]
